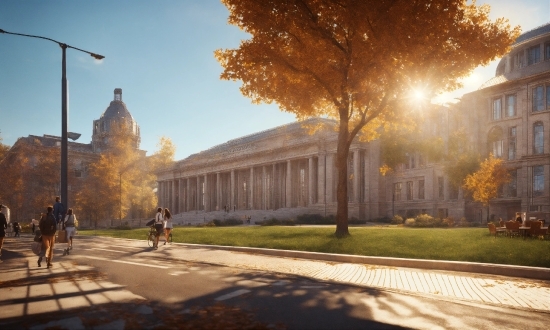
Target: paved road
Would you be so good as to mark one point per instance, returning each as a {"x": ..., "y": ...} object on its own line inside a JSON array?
[{"x": 243, "y": 287}]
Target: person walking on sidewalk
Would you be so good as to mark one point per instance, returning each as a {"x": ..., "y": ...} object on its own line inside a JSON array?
[
  {"x": 159, "y": 225},
  {"x": 70, "y": 229},
  {"x": 3, "y": 227},
  {"x": 58, "y": 210},
  {"x": 48, "y": 228},
  {"x": 167, "y": 224}
]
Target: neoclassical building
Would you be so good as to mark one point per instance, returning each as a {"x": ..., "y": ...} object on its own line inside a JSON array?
[{"x": 286, "y": 171}]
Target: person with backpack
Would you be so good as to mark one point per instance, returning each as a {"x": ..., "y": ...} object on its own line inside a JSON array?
[
  {"x": 70, "y": 229},
  {"x": 48, "y": 227}
]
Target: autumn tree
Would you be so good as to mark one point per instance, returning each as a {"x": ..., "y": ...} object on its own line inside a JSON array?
[
  {"x": 357, "y": 61},
  {"x": 121, "y": 182},
  {"x": 485, "y": 182}
]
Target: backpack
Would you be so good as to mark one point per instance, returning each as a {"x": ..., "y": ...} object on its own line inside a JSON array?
[
  {"x": 49, "y": 225},
  {"x": 70, "y": 221}
]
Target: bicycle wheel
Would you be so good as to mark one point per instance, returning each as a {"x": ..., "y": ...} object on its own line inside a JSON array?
[{"x": 150, "y": 239}]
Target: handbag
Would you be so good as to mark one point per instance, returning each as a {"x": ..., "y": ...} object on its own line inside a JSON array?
[{"x": 36, "y": 247}]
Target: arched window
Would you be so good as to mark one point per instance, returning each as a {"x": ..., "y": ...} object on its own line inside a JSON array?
[
  {"x": 538, "y": 138},
  {"x": 495, "y": 142}
]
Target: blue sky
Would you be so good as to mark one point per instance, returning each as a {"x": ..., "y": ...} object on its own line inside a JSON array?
[{"x": 161, "y": 54}]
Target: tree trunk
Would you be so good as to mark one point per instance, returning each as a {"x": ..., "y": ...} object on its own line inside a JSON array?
[{"x": 342, "y": 152}]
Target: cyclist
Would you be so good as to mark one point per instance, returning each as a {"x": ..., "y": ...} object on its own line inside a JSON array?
[
  {"x": 167, "y": 224},
  {"x": 159, "y": 225}
]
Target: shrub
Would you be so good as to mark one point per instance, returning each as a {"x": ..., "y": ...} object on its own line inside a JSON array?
[
  {"x": 277, "y": 222},
  {"x": 397, "y": 220},
  {"x": 448, "y": 222},
  {"x": 424, "y": 220},
  {"x": 465, "y": 223},
  {"x": 124, "y": 226},
  {"x": 310, "y": 219},
  {"x": 227, "y": 222},
  {"x": 409, "y": 222},
  {"x": 355, "y": 221},
  {"x": 383, "y": 220}
]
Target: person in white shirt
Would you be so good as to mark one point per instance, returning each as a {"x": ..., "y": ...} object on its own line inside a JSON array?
[
  {"x": 159, "y": 225},
  {"x": 167, "y": 224},
  {"x": 70, "y": 229}
]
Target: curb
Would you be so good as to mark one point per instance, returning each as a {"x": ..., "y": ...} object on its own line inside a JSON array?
[{"x": 537, "y": 273}]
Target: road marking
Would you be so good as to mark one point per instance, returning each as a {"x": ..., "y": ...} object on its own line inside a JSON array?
[
  {"x": 107, "y": 250},
  {"x": 232, "y": 295},
  {"x": 178, "y": 272},
  {"x": 128, "y": 262}
]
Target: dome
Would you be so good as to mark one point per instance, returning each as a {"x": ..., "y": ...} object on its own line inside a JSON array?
[
  {"x": 117, "y": 109},
  {"x": 529, "y": 56}
]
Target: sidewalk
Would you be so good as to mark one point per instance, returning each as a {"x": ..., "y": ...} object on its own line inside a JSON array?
[{"x": 94, "y": 303}]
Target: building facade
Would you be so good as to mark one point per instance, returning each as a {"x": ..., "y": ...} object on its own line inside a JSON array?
[
  {"x": 27, "y": 152},
  {"x": 285, "y": 171}
]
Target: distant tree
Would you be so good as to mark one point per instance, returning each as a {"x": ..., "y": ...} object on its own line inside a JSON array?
[
  {"x": 356, "y": 61},
  {"x": 4, "y": 148},
  {"x": 485, "y": 182},
  {"x": 461, "y": 161}
]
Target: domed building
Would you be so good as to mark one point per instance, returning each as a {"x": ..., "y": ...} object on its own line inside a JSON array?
[{"x": 116, "y": 116}]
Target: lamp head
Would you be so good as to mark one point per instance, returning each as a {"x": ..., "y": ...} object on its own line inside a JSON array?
[
  {"x": 97, "y": 56},
  {"x": 73, "y": 136}
]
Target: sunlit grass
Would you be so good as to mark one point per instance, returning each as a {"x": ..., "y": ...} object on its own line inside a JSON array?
[{"x": 459, "y": 244}]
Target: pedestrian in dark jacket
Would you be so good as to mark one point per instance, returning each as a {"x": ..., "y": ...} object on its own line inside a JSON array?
[{"x": 48, "y": 226}]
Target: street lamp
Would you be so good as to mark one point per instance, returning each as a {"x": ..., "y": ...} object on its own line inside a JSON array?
[{"x": 64, "y": 143}]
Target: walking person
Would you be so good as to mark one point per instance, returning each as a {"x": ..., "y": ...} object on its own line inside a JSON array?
[
  {"x": 167, "y": 224},
  {"x": 48, "y": 228},
  {"x": 3, "y": 227},
  {"x": 159, "y": 225},
  {"x": 58, "y": 210},
  {"x": 70, "y": 228}
]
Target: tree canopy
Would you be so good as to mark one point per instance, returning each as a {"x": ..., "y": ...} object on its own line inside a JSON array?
[{"x": 357, "y": 61}]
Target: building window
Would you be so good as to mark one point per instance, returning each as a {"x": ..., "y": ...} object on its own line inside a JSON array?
[
  {"x": 512, "y": 143},
  {"x": 533, "y": 55},
  {"x": 538, "y": 180},
  {"x": 397, "y": 191},
  {"x": 496, "y": 142},
  {"x": 77, "y": 173},
  {"x": 513, "y": 184},
  {"x": 420, "y": 189},
  {"x": 413, "y": 161},
  {"x": 453, "y": 192},
  {"x": 547, "y": 51},
  {"x": 538, "y": 138},
  {"x": 510, "y": 105},
  {"x": 497, "y": 109},
  {"x": 409, "y": 190},
  {"x": 441, "y": 187},
  {"x": 538, "y": 98},
  {"x": 421, "y": 160}
]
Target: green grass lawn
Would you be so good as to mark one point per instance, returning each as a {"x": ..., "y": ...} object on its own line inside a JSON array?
[{"x": 458, "y": 244}]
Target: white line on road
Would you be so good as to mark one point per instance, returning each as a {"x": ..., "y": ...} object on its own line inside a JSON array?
[
  {"x": 119, "y": 251},
  {"x": 127, "y": 262},
  {"x": 232, "y": 295}
]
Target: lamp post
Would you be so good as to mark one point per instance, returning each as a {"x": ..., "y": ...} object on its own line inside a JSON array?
[{"x": 64, "y": 142}]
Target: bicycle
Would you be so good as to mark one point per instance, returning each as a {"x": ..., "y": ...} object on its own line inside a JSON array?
[{"x": 152, "y": 236}]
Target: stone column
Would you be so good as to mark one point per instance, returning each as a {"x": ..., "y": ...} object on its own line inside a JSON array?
[
  {"x": 173, "y": 199},
  {"x": 206, "y": 194},
  {"x": 264, "y": 189},
  {"x": 188, "y": 204},
  {"x": 356, "y": 176},
  {"x": 329, "y": 177},
  {"x": 251, "y": 189},
  {"x": 288, "y": 192},
  {"x": 310, "y": 184},
  {"x": 198, "y": 194},
  {"x": 232, "y": 191},
  {"x": 180, "y": 195},
  {"x": 218, "y": 192},
  {"x": 321, "y": 174}
]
